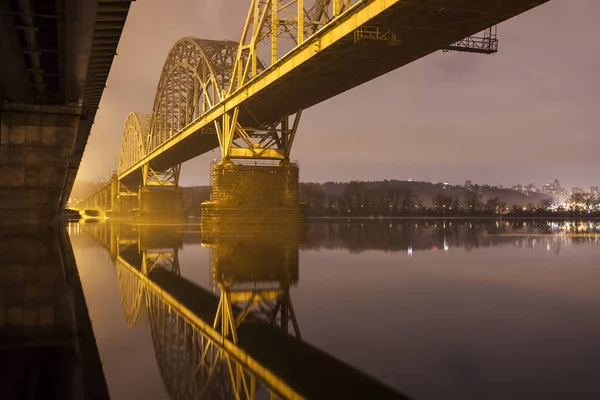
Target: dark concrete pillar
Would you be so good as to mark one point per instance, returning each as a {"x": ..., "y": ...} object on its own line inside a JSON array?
[
  {"x": 114, "y": 193},
  {"x": 36, "y": 143},
  {"x": 252, "y": 195},
  {"x": 161, "y": 203}
]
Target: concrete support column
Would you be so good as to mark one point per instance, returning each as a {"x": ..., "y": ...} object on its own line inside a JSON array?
[
  {"x": 161, "y": 203},
  {"x": 252, "y": 195},
  {"x": 114, "y": 193},
  {"x": 36, "y": 144}
]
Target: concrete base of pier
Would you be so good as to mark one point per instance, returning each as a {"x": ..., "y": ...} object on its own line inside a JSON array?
[
  {"x": 161, "y": 204},
  {"x": 124, "y": 207},
  {"x": 252, "y": 196}
]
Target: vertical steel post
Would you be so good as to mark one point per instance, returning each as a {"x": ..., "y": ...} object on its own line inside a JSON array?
[
  {"x": 256, "y": 28},
  {"x": 336, "y": 8},
  {"x": 274, "y": 23},
  {"x": 300, "y": 21}
]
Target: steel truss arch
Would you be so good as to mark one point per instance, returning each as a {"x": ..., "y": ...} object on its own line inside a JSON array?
[
  {"x": 193, "y": 79},
  {"x": 132, "y": 294},
  {"x": 135, "y": 136}
]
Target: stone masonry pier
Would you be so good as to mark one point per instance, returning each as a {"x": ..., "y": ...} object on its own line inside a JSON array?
[{"x": 252, "y": 196}]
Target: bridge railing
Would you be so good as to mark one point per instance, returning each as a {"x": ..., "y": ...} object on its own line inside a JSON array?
[
  {"x": 486, "y": 42},
  {"x": 253, "y": 161}
]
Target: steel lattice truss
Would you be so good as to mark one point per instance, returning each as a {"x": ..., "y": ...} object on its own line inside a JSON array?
[
  {"x": 135, "y": 138},
  {"x": 291, "y": 55},
  {"x": 192, "y": 81},
  {"x": 198, "y": 74}
]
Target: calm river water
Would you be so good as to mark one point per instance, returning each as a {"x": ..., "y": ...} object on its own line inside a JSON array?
[{"x": 431, "y": 309}]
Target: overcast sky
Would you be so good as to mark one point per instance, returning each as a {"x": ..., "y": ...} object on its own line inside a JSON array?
[{"x": 529, "y": 113}]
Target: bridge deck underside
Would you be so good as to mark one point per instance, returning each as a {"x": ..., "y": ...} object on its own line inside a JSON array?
[{"x": 420, "y": 28}]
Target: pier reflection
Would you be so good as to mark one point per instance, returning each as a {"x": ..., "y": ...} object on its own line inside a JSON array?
[
  {"x": 244, "y": 341},
  {"x": 47, "y": 347},
  {"x": 254, "y": 274}
]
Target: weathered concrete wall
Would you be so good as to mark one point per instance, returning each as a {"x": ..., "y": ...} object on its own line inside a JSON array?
[
  {"x": 161, "y": 203},
  {"x": 252, "y": 195},
  {"x": 36, "y": 143}
]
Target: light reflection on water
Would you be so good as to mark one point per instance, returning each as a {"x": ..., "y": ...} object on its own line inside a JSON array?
[{"x": 435, "y": 309}]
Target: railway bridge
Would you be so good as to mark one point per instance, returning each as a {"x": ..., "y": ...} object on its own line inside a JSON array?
[{"x": 247, "y": 98}]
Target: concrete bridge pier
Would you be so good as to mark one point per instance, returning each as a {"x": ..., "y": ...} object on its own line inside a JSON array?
[
  {"x": 161, "y": 203},
  {"x": 36, "y": 146},
  {"x": 123, "y": 201},
  {"x": 251, "y": 195},
  {"x": 124, "y": 205}
]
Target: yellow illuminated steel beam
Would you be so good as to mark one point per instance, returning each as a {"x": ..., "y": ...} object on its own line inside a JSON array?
[
  {"x": 245, "y": 296},
  {"x": 300, "y": 21}
]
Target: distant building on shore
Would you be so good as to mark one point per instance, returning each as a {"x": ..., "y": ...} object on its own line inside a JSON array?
[
  {"x": 577, "y": 190},
  {"x": 527, "y": 189},
  {"x": 554, "y": 189}
]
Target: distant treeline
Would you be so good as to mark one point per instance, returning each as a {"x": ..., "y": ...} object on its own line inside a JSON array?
[
  {"x": 408, "y": 198},
  {"x": 193, "y": 197},
  {"x": 405, "y": 198}
]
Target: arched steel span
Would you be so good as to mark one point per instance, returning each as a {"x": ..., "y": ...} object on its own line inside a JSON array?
[
  {"x": 193, "y": 79},
  {"x": 135, "y": 139},
  {"x": 211, "y": 93},
  {"x": 197, "y": 74}
]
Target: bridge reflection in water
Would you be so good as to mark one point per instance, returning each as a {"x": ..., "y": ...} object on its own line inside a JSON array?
[{"x": 244, "y": 343}]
